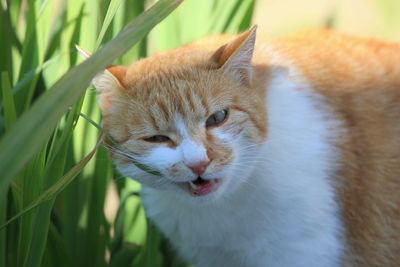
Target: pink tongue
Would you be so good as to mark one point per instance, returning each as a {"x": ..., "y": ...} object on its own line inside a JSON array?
[{"x": 203, "y": 189}]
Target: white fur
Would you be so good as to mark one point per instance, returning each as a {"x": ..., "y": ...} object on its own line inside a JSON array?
[
  {"x": 162, "y": 157},
  {"x": 192, "y": 152},
  {"x": 276, "y": 206}
]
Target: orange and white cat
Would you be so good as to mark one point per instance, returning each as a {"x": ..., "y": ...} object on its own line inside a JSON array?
[{"x": 281, "y": 152}]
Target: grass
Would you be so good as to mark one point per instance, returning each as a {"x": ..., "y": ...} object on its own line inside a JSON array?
[{"x": 55, "y": 175}]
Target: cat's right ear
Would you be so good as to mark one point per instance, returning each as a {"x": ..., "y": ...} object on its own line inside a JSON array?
[{"x": 235, "y": 57}]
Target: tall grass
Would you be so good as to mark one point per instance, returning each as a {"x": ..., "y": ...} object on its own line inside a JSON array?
[{"x": 54, "y": 175}]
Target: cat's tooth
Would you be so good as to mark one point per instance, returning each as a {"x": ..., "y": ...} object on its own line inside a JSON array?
[{"x": 193, "y": 186}]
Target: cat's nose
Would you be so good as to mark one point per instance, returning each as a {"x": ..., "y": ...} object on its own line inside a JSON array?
[{"x": 199, "y": 167}]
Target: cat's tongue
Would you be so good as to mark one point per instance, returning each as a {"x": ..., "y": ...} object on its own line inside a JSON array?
[{"x": 201, "y": 187}]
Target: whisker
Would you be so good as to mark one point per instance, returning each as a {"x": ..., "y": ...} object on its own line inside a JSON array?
[
  {"x": 128, "y": 156},
  {"x": 118, "y": 151}
]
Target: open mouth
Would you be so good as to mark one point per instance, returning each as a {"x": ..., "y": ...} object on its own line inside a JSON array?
[{"x": 201, "y": 187}]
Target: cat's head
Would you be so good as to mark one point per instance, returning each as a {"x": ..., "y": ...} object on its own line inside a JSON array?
[{"x": 191, "y": 114}]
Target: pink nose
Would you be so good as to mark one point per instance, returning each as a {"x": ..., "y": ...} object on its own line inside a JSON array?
[{"x": 199, "y": 167}]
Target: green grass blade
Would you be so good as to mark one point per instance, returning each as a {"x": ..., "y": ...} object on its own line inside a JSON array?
[
  {"x": 32, "y": 185},
  {"x": 10, "y": 114},
  {"x": 125, "y": 255},
  {"x": 244, "y": 21},
  {"x": 150, "y": 254},
  {"x": 34, "y": 127},
  {"x": 55, "y": 189},
  {"x": 56, "y": 253},
  {"x": 6, "y": 41},
  {"x": 28, "y": 60},
  {"x": 112, "y": 9},
  {"x": 39, "y": 237},
  {"x": 125, "y": 14},
  {"x": 55, "y": 166},
  {"x": 29, "y": 76},
  {"x": 119, "y": 231},
  {"x": 3, "y": 236},
  {"x": 97, "y": 239},
  {"x": 153, "y": 256},
  {"x": 75, "y": 36},
  {"x": 10, "y": 117}
]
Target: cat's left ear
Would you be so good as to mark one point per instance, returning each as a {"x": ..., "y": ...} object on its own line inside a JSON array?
[
  {"x": 235, "y": 57},
  {"x": 112, "y": 78},
  {"x": 108, "y": 82}
]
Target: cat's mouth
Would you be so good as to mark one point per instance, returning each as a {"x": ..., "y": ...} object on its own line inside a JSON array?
[{"x": 201, "y": 187}]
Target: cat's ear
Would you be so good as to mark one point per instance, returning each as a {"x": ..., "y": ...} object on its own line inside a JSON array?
[
  {"x": 110, "y": 79},
  {"x": 108, "y": 82},
  {"x": 235, "y": 57}
]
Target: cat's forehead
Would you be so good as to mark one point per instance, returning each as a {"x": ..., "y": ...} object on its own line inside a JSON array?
[
  {"x": 164, "y": 104},
  {"x": 167, "y": 103},
  {"x": 189, "y": 90},
  {"x": 179, "y": 63},
  {"x": 168, "y": 86},
  {"x": 178, "y": 75}
]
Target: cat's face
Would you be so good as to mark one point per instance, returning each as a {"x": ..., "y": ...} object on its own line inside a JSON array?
[{"x": 188, "y": 116}]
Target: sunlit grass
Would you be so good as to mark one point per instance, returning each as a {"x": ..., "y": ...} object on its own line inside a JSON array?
[{"x": 51, "y": 170}]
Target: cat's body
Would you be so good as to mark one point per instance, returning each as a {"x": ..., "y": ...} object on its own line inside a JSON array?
[{"x": 308, "y": 149}]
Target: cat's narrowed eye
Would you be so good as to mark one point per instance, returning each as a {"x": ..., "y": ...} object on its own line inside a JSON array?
[
  {"x": 217, "y": 118},
  {"x": 157, "y": 139}
]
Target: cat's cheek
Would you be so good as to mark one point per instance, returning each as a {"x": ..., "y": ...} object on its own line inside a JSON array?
[
  {"x": 221, "y": 135},
  {"x": 244, "y": 154},
  {"x": 131, "y": 171},
  {"x": 161, "y": 157}
]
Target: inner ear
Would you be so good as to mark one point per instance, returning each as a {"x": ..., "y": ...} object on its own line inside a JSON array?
[
  {"x": 112, "y": 78},
  {"x": 119, "y": 73}
]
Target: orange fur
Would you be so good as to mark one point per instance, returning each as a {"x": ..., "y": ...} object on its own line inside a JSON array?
[{"x": 360, "y": 79}]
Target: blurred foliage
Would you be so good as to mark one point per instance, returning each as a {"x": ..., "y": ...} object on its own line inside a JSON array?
[{"x": 369, "y": 18}]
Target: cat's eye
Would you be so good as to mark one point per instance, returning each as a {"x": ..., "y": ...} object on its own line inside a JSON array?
[
  {"x": 157, "y": 139},
  {"x": 217, "y": 118}
]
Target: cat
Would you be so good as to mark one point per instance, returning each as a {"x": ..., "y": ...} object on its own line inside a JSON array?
[{"x": 281, "y": 152}]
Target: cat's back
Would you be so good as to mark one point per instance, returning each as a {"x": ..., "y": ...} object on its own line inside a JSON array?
[
  {"x": 360, "y": 80},
  {"x": 332, "y": 61}
]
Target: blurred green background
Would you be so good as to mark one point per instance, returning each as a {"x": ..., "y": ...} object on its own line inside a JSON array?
[
  {"x": 67, "y": 204},
  {"x": 368, "y": 18}
]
